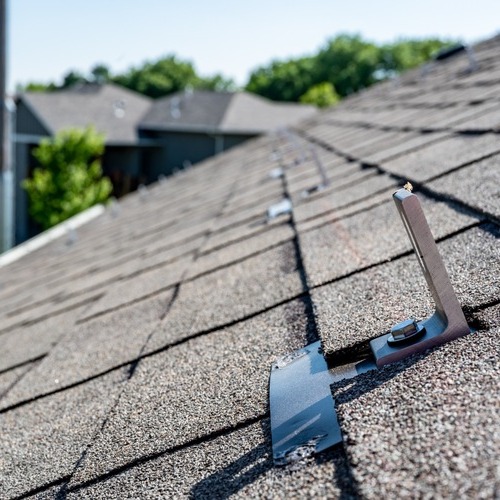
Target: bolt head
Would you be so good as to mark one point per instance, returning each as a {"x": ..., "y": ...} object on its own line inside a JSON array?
[{"x": 406, "y": 331}]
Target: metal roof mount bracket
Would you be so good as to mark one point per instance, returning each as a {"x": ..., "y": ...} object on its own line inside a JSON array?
[
  {"x": 280, "y": 208},
  {"x": 276, "y": 173},
  {"x": 448, "y": 321},
  {"x": 325, "y": 182},
  {"x": 303, "y": 417}
]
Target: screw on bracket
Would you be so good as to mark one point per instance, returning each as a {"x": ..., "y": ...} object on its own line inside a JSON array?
[{"x": 448, "y": 321}]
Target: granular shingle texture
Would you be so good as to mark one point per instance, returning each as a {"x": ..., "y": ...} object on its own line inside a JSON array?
[
  {"x": 196, "y": 388},
  {"x": 136, "y": 354},
  {"x": 478, "y": 185},
  {"x": 237, "y": 465},
  {"x": 231, "y": 294},
  {"x": 372, "y": 236},
  {"x": 399, "y": 445},
  {"x": 43, "y": 442},
  {"x": 92, "y": 348},
  {"x": 395, "y": 291}
]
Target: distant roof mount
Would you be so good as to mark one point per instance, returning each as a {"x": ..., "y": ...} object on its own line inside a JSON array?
[{"x": 448, "y": 52}]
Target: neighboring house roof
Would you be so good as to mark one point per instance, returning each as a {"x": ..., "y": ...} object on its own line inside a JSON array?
[
  {"x": 222, "y": 113},
  {"x": 135, "y": 361},
  {"x": 113, "y": 110}
]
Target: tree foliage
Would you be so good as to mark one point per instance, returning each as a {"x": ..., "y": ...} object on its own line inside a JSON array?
[
  {"x": 168, "y": 75},
  {"x": 69, "y": 178},
  {"x": 407, "y": 54},
  {"x": 348, "y": 62},
  {"x": 283, "y": 80},
  {"x": 321, "y": 95},
  {"x": 152, "y": 78},
  {"x": 159, "y": 78}
]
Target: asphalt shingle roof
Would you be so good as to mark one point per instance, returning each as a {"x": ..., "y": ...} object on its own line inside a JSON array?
[
  {"x": 222, "y": 112},
  {"x": 136, "y": 359},
  {"x": 111, "y": 109}
]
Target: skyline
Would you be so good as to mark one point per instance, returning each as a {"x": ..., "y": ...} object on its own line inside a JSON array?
[{"x": 48, "y": 39}]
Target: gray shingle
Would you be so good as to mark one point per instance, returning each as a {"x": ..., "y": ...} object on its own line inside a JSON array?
[
  {"x": 477, "y": 185},
  {"x": 334, "y": 200},
  {"x": 10, "y": 377},
  {"x": 92, "y": 348},
  {"x": 325, "y": 215},
  {"x": 42, "y": 442},
  {"x": 409, "y": 142},
  {"x": 139, "y": 287},
  {"x": 243, "y": 230},
  {"x": 231, "y": 294},
  {"x": 400, "y": 446},
  {"x": 236, "y": 465},
  {"x": 30, "y": 342},
  {"x": 395, "y": 291},
  {"x": 372, "y": 236},
  {"x": 439, "y": 158},
  {"x": 57, "y": 306},
  {"x": 196, "y": 388},
  {"x": 276, "y": 235}
]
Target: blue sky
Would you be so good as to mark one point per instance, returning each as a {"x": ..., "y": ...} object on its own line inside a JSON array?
[{"x": 49, "y": 37}]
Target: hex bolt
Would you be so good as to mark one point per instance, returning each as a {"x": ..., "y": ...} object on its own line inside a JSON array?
[{"x": 405, "y": 330}]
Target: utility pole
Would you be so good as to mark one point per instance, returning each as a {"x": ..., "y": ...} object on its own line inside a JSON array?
[
  {"x": 3, "y": 71},
  {"x": 6, "y": 151}
]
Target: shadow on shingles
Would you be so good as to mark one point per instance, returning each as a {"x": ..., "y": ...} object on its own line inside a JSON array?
[{"x": 258, "y": 462}]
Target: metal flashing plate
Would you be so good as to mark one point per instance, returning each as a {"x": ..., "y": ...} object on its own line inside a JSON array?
[{"x": 303, "y": 417}]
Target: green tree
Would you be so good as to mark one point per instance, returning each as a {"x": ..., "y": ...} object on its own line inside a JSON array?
[
  {"x": 37, "y": 87},
  {"x": 170, "y": 74},
  {"x": 218, "y": 82},
  {"x": 100, "y": 73},
  {"x": 72, "y": 78},
  {"x": 160, "y": 78},
  {"x": 321, "y": 95},
  {"x": 69, "y": 178},
  {"x": 349, "y": 63},
  {"x": 283, "y": 80},
  {"x": 153, "y": 78},
  {"x": 408, "y": 53}
]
